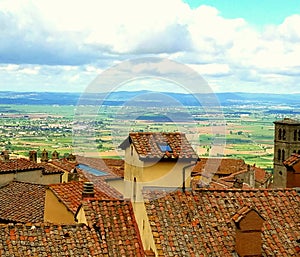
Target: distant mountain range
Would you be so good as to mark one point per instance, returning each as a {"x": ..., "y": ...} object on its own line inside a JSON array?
[{"x": 147, "y": 98}]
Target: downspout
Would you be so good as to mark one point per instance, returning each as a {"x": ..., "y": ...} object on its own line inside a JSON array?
[{"x": 183, "y": 174}]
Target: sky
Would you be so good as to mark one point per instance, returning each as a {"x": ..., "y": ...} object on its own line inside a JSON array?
[{"x": 236, "y": 46}]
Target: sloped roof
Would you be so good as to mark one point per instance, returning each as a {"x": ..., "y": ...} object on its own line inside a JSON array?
[
  {"x": 146, "y": 145},
  {"x": 116, "y": 226},
  {"x": 71, "y": 194},
  {"x": 49, "y": 169},
  {"x": 110, "y": 166},
  {"x": 20, "y": 164},
  {"x": 221, "y": 166},
  {"x": 200, "y": 222},
  {"x": 49, "y": 240},
  {"x": 292, "y": 160},
  {"x": 22, "y": 202}
]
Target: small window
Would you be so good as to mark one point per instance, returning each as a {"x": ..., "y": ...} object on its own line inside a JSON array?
[
  {"x": 164, "y": 147},
  {"x": 295, "y": 135},
  {"x": 280, "y": 173},
  {"x": 298, "y": 135}
]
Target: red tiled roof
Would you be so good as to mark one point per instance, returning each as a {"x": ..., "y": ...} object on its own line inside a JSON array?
[
  {"x": 221, "y": 166},
  {"x": 146, "y": 145},
  {"x": 116, "y": 226},
  {"x": 110, "y": 166},
  {"x": 71, "y": 194},
  {"x": 49, "y": 240},
  {"x": 21, "y": 164},
  {"x": 199, "y": 223},
  {"x": 22, "y": 202},
  {"x": 292, "y": 160}
]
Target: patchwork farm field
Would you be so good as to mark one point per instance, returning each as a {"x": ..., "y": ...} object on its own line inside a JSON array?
[{"x": 231, "y": 134}]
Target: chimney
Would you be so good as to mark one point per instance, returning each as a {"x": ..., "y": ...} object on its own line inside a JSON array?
[
  {"x": 5, "y": 155},
  {"x": 55, "y": 155},
  {"x": 248, "y": 240},
  {"x": 44, "y": 157},
  {"x": 33, "y": 156},
  {"x": 252, "y": 177},
  {"x": 88, "y": 190}
]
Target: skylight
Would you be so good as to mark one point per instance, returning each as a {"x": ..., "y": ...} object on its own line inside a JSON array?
[{"x": 164, "y": 147}]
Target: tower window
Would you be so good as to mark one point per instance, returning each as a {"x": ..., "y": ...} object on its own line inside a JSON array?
[
  {"x": 279, "y": 155},
  {"x": 283, "y": 134},
  {"x": 279, "y": 134},
  {"x": 298, "y": 135},
  {"x": 295, "y": 135},
  {"x": 283, "y": 155}
]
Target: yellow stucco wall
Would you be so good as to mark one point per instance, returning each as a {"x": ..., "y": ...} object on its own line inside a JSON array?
[{"x": 55, "y": 211}]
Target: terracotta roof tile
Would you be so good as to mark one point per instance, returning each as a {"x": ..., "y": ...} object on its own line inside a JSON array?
[
  {"x": 147, "y": 145},
  {"x": 100, "y": 183},
  {"x": 22, "y": 202},
  {"x": 71, "y": 194},
  {"x": 21, "y": 164},
  {"x": 200, "y": 222},
  {"x": 49, "y": 240},
  {"x": 292, "y": 160},
  {"x": 116, "y": 226},
  {"x": 222, "y": 166}
]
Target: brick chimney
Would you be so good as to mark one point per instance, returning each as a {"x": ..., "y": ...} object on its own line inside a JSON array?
[
  {"x": 248, "y": 240},
  {"x": 33, "y": 156},
  {"x": 88, "y": 190}
]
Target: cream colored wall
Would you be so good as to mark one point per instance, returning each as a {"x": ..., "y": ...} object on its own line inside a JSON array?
[
  {"x": 80, "y": 217},
  {"x": 36, "y": 176},
  {"x": 144, "y": 226},
  {"x": 55, "y": 211},
  {"x": 118, "y": 184},
  {"x": 64, "y": 177},
  {"x": 6, "y": 178}
]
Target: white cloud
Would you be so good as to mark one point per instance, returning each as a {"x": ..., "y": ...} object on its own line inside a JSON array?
[{"x": 80, "y": 39}]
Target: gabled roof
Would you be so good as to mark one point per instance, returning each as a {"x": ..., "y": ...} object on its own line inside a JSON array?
[
  {"x": 49, "y": 240},
  {"x": 115, "y": 224},
  {"x": 157, "y": 145},
  {"x": 200, "y": 222},
  {"x": 22, "y": 202},
  {"x": 71, "y": 194},
  {"x": 21, "y": 164}
]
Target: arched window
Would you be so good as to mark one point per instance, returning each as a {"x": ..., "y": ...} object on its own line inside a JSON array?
[
  {"x": 283, "y": 155},
  {"x": 283, "y": 134},
  {"x": 279, "y": 155},
  {"x": 299, "y": 135},
  {"x": 279, "y": 134},
  {"x": 298, "y": 152},
  {"x": 295, "y": 135}
]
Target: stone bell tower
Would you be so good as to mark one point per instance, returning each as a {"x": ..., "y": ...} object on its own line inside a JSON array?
[{"x": 286, "y": 142}]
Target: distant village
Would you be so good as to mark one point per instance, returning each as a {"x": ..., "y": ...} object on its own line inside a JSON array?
[{"x": 161, "y": 200}]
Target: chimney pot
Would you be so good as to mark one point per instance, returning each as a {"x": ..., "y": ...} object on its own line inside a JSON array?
[{"x": 88, "y": 190}]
